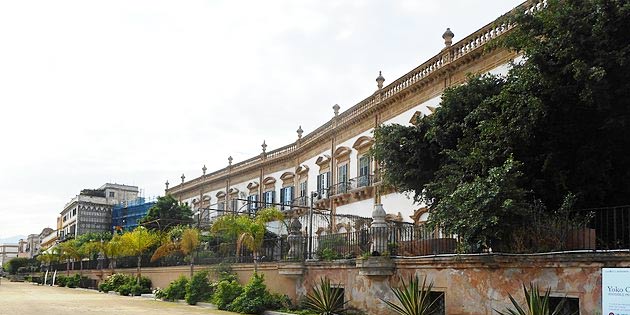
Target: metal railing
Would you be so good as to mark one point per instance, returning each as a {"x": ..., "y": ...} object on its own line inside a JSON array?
[{"x": 586, "y": 229}]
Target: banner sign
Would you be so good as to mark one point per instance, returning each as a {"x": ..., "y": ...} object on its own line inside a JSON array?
[{"x": 615, "y": 291}]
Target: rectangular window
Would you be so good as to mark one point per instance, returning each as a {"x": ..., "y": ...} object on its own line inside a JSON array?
[
  {"x": 112, "y": 194},
  {"x": 252, "y": 203},
  {"x": 364, "y": 172},
  {"x": 269, "y": 197},
  {"x": 286, "y": 197},
  {"x": 221, "y": 206},
  {"x": 303, "y": 193},
  {"x": 438, "y": 306},
  {"x": 234, "y": 204},
  {"x": 342, "y": 179},
  {"x": 570, "y": 306},
  {"x": 323, "y": 183}
]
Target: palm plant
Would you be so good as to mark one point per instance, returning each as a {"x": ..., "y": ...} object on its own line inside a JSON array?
[
  {"x": 326, "y": 299},
  {"x": 71, "y": 250},
  {"x": 137, "y": 242},
  {"x": 414, "y": 298},
  {"x": 249, "y": 232},
  {"x": 179, "y": 239},
  {"x": 537, "y": 304},
  {"x": 113, "y": 249}
]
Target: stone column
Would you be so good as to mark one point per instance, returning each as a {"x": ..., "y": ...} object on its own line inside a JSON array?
[
  {"x": 378, "y": 230},
  {"x": 295, "y": 240}
]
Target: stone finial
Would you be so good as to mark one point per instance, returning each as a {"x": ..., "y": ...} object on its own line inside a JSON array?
[
  {"x": 166, "y": 184},
  {"x": 295, "y": 226},
  {"x": 379, "y": 80},
  {"x": 448, "y": 37},
  {"x": 204, "y": 169},
  {"x": 379, "y": 230},
  {"x": 378, "y": 216},
  {"x": 183, "y": 178},
  {"x": 300, "y": 132},
  {"x": 264, "y": 146},
  {"x": 336, "y": 109},
  {"x": 230, "y": 159}
]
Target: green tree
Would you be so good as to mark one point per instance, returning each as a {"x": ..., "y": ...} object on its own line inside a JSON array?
[
  {"x": 555, "y": 126},
  {"x": 71, "y": 250},
  {"x": 14, "y": 264},
  {"x": 180, "y": 239},
  {"x": 113, "y": 249},
  {"x": 248, "y": 231},
  {"x": 138, "y": 242},
  {"x": 166, "y": 213}
]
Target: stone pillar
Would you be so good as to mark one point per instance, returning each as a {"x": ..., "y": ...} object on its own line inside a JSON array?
[
  {"x": 295, "y": 240},
  {"x": 379, "y": 230}
]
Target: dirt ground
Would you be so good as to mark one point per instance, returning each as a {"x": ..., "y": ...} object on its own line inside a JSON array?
[{"x": 29, "y": 299}]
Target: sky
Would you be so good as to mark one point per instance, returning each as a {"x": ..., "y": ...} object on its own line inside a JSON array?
[{"x": 139, "y": 92}]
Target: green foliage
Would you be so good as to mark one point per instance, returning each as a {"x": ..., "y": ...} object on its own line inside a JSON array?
[
  {"x": 126, "y": 284},
  {"x": 413, "y": 298},
  {"x": 176, "y": 290},
  {"x": 255, "y": 298},
  {"x": 247, "y": 231},
  {"x": 166, "y": 213},
  {"x": 93, "y": 237},
  {"x": 61, "y": 280},
  {"x": 537, "y": 304},
  {"x": 198, "y": 289},
  {"x": 329, "y": 247},
  {"x": 73, "y": 281},
  {"x": 14, "y": 264},
  {"x": 499, "y": 148},
  {"x": 326, "y": 299},
  {"x": 226, "y": 291}
]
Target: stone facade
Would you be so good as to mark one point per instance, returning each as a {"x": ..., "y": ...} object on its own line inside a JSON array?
[
  {"x": 331, "y": 160},
  {"x": 472, "y": 284}
]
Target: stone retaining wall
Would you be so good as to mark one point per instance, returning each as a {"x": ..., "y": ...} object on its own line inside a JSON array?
[{"x": 472, "y": 284}]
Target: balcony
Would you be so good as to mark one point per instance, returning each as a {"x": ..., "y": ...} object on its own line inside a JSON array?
[{"x": 355, "y": 189}]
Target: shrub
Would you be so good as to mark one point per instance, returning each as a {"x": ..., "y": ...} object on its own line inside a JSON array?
[
  {"x": 226, "y": 291},
  {"x": 414, "y": 298},
  {"x": 124, "y": 289},
  {"x": 326, "y": 299},
  {"x": 73, "y": 281},
  {"x": 117, "y": 280},
  {"x": 255, "y": 298},
  {"x": 104, "y": 287},
  {"x": 198, "y": 289},
  {"x": 175, "y": 291},
  {"x": 61, "y": 281},
  {"x": 537, "y": 303}
]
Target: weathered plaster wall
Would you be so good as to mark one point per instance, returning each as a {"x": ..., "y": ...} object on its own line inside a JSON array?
[{"x": 472, "y": 284}]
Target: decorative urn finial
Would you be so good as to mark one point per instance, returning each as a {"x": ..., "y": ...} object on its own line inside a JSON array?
[
  {"x": 379, "y": 80},
  {"x": 448, "y": 37}
]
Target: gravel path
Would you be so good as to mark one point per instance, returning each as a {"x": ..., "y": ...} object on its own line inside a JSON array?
[{"x": 29, "y": 299}]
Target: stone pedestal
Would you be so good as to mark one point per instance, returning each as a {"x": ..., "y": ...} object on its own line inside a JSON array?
[
  {"x": 379, "y": 231},
  {"x": 376, "y": 266}
]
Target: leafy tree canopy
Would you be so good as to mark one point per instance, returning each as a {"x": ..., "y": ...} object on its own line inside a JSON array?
[
  {"x": 166, "y": 213},
  {"x": 555, "y": 127}
]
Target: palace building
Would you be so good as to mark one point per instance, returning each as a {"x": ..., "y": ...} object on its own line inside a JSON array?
[{"x": 331, "y": 163}]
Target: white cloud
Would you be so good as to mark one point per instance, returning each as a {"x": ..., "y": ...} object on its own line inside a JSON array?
[{"x": 138, "y": 92}]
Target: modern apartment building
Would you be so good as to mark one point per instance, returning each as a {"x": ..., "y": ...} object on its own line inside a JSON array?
[
  {"x": 90, "y": 210},
  {"x": 332, "y": 161}
]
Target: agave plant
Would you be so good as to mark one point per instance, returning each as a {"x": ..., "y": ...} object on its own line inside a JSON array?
[
  {"x": 414, "y": 298},
  {"x": 537, "y": 304},
  {"x": 325, "y": 299}
]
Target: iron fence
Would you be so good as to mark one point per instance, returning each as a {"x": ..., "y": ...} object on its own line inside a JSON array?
[{"x": 346, "y": 236}]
